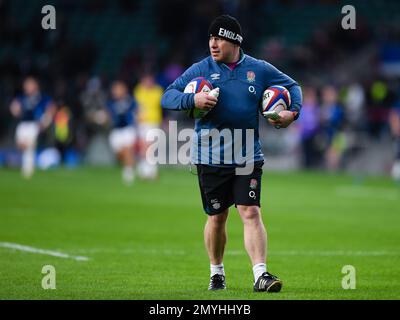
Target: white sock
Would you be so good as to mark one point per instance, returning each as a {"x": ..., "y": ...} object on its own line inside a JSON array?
[
  {"x": 128, "y": 175},
  {"x": 258, "y": 270},
  {"x": 147, "y": 170},
  {"x": 28, "y": 162},
  {"x": 217, "y": 269}
]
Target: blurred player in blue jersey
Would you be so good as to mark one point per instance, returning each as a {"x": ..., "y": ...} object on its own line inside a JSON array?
[
  {"x": 35, "y": 112},
  {"x": 242, "y": 80},
  {"x": 122, "y": 108}
]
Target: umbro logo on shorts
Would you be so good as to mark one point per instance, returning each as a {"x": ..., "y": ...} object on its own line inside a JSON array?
[{"x": 215, "y": 204}]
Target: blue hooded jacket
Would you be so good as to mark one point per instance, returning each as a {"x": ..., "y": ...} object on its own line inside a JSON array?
[{"x": 237, "y": 109}]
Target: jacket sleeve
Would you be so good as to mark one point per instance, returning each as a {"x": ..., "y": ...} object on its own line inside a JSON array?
[
  {"x": 174, "y": 98},
  {"x": 277, "y": 77}
]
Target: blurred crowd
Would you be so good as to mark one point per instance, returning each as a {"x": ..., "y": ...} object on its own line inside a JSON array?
[
  {"x": 351, "y": 88},
  {"x": 338, "y": 122}
]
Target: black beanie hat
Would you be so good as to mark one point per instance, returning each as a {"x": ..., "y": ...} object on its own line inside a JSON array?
[{"x": 226, "y": 27}]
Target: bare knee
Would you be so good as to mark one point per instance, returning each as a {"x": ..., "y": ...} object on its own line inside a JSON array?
[
  {"x": 249, "y": 213},
  {"x": 218, "y": 220}
]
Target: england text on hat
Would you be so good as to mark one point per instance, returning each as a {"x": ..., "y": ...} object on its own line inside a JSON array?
[{"x": 230, "y": 35}]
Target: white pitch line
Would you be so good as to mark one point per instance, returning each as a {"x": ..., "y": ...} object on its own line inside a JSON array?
[
  {"x": 368, "y": 192},
  {"x": 57, "y": 254},
  {"x": 321, "y": 253},
  {"x": 327, "y": 253}
]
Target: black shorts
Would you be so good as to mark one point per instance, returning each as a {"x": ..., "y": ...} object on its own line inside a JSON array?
[{"x": 220, "y": 187}]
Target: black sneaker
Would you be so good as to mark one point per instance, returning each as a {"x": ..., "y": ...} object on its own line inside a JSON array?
[
  {"x": 268, "y": 282},
  {"x": 217, "y": 282}
]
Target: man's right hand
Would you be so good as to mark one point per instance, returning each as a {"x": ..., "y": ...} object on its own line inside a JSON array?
[{"x": 203, "y": 101}]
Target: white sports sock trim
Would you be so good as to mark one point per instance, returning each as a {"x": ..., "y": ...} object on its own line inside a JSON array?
[
  {"x": 217, "y": 269},
  {"x": 258, "y": 270}
]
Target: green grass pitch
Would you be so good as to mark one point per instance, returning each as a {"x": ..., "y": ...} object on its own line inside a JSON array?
[{"x": 146, "y": 241}]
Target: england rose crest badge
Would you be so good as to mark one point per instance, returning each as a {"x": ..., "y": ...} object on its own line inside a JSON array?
[{"x": 251, "y": 76}]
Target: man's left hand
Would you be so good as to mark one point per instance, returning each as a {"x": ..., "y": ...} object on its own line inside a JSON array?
[{"x": 285, "y": 119}]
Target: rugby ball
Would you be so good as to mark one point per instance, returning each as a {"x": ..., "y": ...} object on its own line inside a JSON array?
[
  {"x": 197, "y": 85},
  {"x": 274, "y": 100}
]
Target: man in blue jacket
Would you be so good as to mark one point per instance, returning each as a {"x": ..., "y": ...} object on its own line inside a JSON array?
[{"x": 241, "y": 80}]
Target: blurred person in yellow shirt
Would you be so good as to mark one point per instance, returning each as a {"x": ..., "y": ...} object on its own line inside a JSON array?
[{"x": 148, "y": 96}]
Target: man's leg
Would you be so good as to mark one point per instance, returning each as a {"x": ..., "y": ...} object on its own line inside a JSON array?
[
  {"x": 26, "y": 136},
  {"x": 255, "y": 242},
  {"x": 127, "y": 158},
  {"x": 255, "y": 235},
  {"x": 215, "y": 236},
  {"x": 216, "y": 195},
  {"x": 215, "y": 240},
  {"x": 28, "y": 161}
]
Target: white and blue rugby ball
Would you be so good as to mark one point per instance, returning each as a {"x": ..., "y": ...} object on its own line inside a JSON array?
[
  {"x": 197, "y": 85},
  {"x": 274, "y": 100}
]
